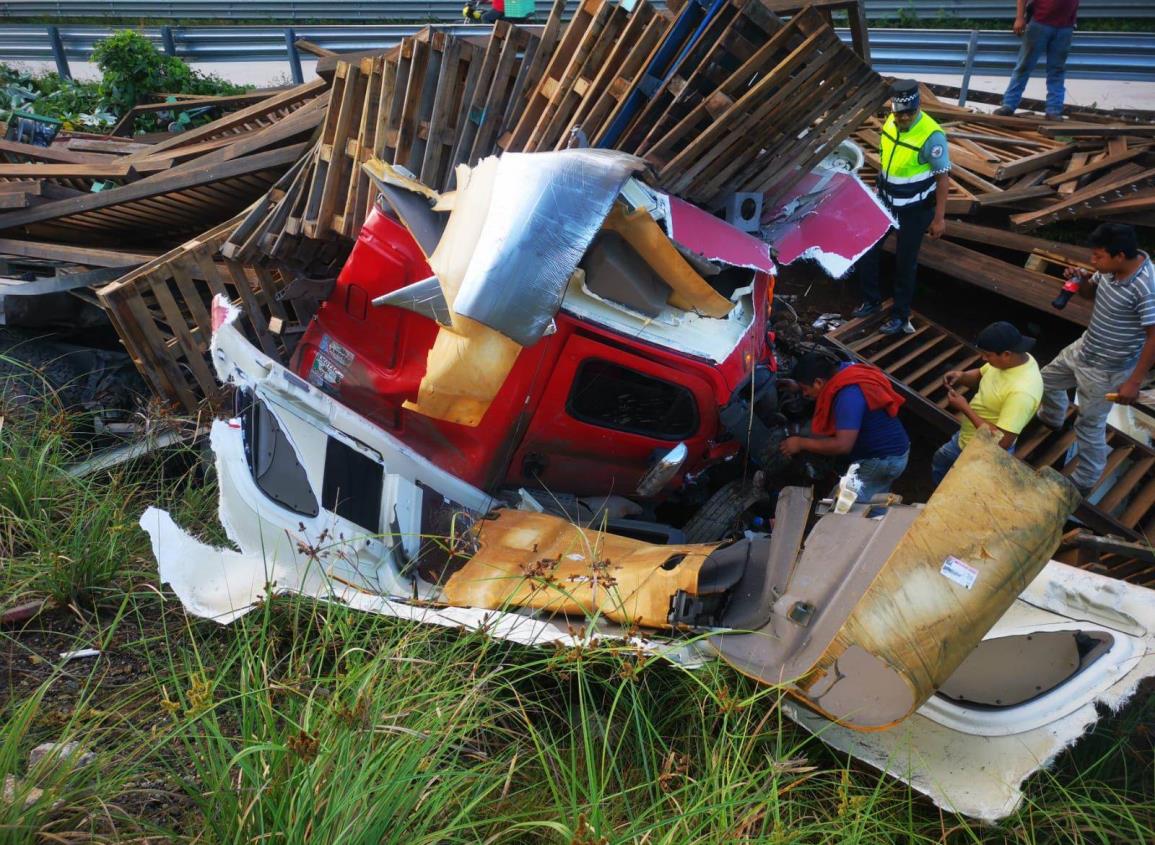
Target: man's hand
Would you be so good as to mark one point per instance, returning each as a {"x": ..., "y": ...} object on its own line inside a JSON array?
[
  {"x": 791, "y": 446},
  {"x": 1128, "y": 392},
  {"x": 937, "y": 227},
  {"x": 1019, "y": 25},
  {"x": 956, "y": 402},
  {"x": 951, "y": 378}
]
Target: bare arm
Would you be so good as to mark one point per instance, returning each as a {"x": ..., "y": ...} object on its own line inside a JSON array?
[
  {"x": 1020, "y": 17},
  {"x": 957, "y": 402},
  {"x": 1129, "y": 390},
  {"x": 964, "y": 378},
  {"x": 941, "y": 188}
]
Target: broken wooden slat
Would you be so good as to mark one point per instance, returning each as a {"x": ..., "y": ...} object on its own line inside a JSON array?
[{"x": 161, "y": 311}]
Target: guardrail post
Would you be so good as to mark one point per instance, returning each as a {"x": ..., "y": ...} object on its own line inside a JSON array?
[
  {"x": 58, "y": 53},
  {"x": 167, "y": 40},
  {"x": 294, "y": 56},
  {"x": 964, "y": 86}
]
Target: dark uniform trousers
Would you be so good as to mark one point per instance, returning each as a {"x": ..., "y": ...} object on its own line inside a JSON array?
[{"x": 913, "y": 221}]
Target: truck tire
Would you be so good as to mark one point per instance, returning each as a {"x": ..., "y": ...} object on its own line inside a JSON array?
[{"x": 715, "y": 519}]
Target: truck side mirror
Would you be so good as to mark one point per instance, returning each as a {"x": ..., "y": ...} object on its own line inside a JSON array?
[{"x": 661, "y": 472}]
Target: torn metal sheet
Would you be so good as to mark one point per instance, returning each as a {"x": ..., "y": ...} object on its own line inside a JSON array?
[
  {"x": 974, "y": 760},
  {"x": 543, "y": 212},
  {"x": 830, "y": 217},
  {"x": 413, "y": 203},
  {"x": 425, "y": 298},
  {"x": 715, "y": 239}
]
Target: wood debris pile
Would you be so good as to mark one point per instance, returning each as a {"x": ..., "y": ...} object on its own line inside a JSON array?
[{"x": 716, "y": 100}]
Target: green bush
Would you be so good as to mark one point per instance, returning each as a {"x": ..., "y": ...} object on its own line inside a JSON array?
[{"x": 133, "y": 69}]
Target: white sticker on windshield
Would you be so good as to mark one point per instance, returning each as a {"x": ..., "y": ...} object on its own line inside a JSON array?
[{"x": 961, "y": 573}]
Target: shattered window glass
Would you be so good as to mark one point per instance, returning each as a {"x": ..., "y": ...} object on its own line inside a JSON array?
[
  {"x": 274, "y": 463},
  {"x": 616, "y": 397}
]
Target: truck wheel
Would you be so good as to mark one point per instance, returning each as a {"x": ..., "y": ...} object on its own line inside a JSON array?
[{"x": 715, "y": 519}]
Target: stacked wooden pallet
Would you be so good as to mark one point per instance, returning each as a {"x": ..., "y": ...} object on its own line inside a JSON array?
[
  {"x": 746, "y": 103},
  {"x": 162, "y": 311},
  {"x": 733, "y": 101},
  {"x": 432, "y": 103}
]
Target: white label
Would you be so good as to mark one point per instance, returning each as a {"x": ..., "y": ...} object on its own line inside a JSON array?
[{"x": 961, "y": 573}]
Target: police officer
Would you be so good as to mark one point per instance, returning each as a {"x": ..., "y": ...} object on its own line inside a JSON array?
[{"x": 912, "y": 182}]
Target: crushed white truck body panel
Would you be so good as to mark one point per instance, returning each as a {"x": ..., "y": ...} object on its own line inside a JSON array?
[
  {"x": 973, "y": 760},
  {"x": 967, "y": 759},
  {"x": 324, "y": 556}
]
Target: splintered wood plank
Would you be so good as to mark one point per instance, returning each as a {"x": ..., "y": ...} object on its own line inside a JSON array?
[
  {"x": 608, "y": 21},
  {"x": 268, "y": 110},
  {"x": 538, "y": 57},
  {"x": 345, "y": 106},
  {"x": 1083, "y": 203},
  {"x": 82, "y": 209},
  {"x": 539, "y": 100},
  {"x": 644, "y": 31},
  {"x": 418, "y": 96}
]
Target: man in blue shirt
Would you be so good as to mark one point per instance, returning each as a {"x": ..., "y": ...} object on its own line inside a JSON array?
[{"x": 857, "y": 404}]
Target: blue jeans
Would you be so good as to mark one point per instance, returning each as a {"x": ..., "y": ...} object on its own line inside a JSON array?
[
  {"x": 947, "y": 454},
  {"x": 877, "y": 474},
  {"x": 1037, "y": 39},
  {"x": 944, "y": 458},
  {"x": 913, "y": 221}
]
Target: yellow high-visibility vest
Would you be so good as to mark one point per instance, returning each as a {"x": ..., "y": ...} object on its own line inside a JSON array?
[{"x": 904, "y": 179}]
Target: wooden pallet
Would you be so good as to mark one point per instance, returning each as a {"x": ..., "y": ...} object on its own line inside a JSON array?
[
  {"x": 715, "y": 64},
  {"x": 542, "y": 93},
  {"x": 645, "y": 30},
  {"x": 751, "y": 139},
  {"x": 162, "y": 312},
  {"x": 916, "y": 364},
  {"x": 491, "y": 94}
]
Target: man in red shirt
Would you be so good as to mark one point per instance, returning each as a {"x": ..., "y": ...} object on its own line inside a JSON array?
[{"x": 1045, "y": 27}]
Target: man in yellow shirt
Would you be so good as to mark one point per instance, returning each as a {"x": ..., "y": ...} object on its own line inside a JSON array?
[{"x": 1010, "y": 389}]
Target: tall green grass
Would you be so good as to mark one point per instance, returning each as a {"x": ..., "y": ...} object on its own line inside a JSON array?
[{"x": 305, "y": 722}]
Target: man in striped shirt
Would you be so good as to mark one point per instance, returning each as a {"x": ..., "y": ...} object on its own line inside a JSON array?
[{"x": 1113, "y": 356}]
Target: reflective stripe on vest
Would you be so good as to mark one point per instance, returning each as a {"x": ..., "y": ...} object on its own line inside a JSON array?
[{"x": 904, "y": 179}]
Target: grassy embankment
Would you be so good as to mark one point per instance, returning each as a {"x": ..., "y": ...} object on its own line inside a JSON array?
[{"x": 312, "y": 723}]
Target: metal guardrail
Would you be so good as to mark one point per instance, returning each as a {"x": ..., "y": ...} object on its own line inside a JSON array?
[
  {"x": 1094, "y": 55},
  {"x": 448, "y": 10}
]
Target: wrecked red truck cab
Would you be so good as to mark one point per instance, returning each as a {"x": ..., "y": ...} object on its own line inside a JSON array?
[{"x": 591, "y": 406}]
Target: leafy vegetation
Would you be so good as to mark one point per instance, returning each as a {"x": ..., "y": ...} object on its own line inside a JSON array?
[
  {"x": 307, "y": 722},
  {"x": 133, "y": 71}
]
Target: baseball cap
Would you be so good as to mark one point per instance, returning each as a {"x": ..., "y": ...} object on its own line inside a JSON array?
[{"x": 1003, "y": 337}]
